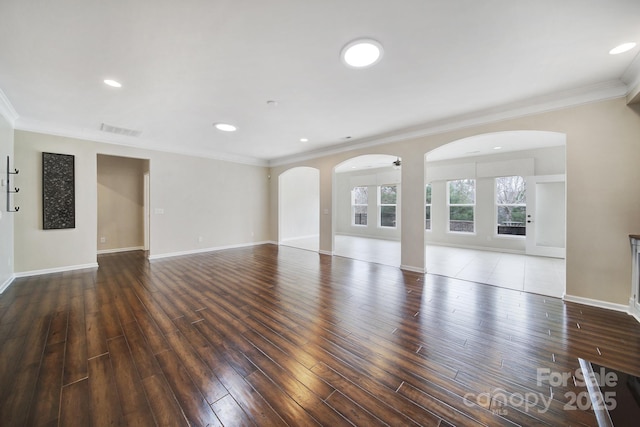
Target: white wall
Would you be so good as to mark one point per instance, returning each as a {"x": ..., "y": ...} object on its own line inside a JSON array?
[
  {"x": 544, "y": 161},
  {"x": 205, "y": 203},
  {"x": 6, "y": 218},
  {"x": 370, "y": 178},
  {"x": 299, "y": 203}
]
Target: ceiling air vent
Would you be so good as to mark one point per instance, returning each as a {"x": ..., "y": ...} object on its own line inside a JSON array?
[{"x": 119, "y": 131}]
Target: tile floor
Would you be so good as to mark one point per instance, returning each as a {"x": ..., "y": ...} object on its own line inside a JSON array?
[{"x": 533, "y": 274}]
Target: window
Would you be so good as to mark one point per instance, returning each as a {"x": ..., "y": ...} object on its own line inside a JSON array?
[
  {"x": 359, "y": 205},
  {"x": 462, "y": 203},
  {"x": 388, "y": 203},
  {"x": 511, "y": 205},
  {"x": 427, "y": 208}
]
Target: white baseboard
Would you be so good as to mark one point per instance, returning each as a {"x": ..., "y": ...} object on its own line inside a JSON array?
[
  {"x": 476, "y": 248},
  {"x": 204, "y": 250},
  {"x": 116, "y": 250},
  {"x": 56, "y": 270},
  {"x": 632, "y": 310},
  {"x": 311, "y": 236},
  {"x": 412, "y": 269},
  {"x": 369, "y": 236},
  {"x": 596, "y": 303},
  {"x": 6, "y": 284}
]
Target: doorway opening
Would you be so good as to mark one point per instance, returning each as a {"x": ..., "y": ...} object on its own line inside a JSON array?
[
  {"x": 367, "y": 206},
  {"x": 123, "y": 188},
  {"x": 299, "y": 208},
  {"x": 496, "y": 210}
]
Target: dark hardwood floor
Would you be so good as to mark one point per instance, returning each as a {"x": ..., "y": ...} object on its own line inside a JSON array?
[{"x": 280, "y": 336}]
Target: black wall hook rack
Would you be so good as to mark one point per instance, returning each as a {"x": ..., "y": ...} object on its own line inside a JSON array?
[{"x": 10, "y": 192}]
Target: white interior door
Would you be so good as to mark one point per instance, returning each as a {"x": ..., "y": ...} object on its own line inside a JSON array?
[{"x": 546, "y": 216}]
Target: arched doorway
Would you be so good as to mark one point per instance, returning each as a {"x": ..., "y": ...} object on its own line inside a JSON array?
[
  {"x": 367, "y": 204},
  {"x": 299, "y": 208},
  {"x": 496, "y": 209}
]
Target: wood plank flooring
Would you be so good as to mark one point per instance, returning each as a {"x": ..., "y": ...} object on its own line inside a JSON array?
[{"x": 274, "y": 336}]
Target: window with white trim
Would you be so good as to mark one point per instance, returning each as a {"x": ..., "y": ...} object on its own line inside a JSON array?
[
  {"x": 387, "y": 201},
  {"x": 359, "y": 205},
  {"x": 462, "y": 205},
  {"x": 511, "y": 205},
  {"x": 427, "y": 207}
]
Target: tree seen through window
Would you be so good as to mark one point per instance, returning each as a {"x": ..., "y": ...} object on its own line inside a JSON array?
[{"x": 511, "y": 203}]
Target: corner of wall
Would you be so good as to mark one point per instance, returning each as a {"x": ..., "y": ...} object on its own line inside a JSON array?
[
  {"x": 8, "y": 117},
  {"x": 5, "y": 285}
]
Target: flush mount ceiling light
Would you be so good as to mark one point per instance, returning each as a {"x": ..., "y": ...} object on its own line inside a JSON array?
[
  {"x": 361, "y": 53},
  {"x": 304, "y": 139},
  {"x": 225, "y": 127},
  {"x": 622, "y": 48},
  {"x": 112, "y": 83}
]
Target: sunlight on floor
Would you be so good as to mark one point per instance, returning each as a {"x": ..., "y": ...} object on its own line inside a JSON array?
[{"x": 533, "y": 274}]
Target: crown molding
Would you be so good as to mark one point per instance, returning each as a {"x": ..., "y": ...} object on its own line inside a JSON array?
[
  {"x": 628, "y": 86},
  {"x": 29, "y": 125},
  {"x": 631, "y": 77},
  {"x": 538, "y": 105},
  {"x": 7, "y": 110}
]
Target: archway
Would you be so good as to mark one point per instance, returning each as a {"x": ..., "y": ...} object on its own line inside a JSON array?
[
  {"x": 366, "y": 209},
  {"x": 482, "y": 217},
  {"x": 299, "y": 208}
]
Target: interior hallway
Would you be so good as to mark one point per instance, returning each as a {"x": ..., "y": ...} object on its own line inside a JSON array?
[{"x": 540, "y": 275}]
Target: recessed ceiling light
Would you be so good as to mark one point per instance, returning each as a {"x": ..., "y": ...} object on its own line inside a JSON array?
[
  {"x": 497, "y": 148},
  {"x": 622, "y": 48},
  {"x": 225, "y": 127},
  {"x": 361, "y": 53},
  {"x": 112, "y": 83},
  {"x": 304, "y": 139}
]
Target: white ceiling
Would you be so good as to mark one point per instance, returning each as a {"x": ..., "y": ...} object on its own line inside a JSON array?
[
  {"x": 367, "y": 161},
  {"x": 496, "y": 143},
  {"x": 478, "y": 145},
  {"x": 185, "y": 65}
]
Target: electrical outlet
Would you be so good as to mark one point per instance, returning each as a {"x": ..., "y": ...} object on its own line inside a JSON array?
[
  {"x": 200, "y": 239},
  {"x": 103, "y": 239}
]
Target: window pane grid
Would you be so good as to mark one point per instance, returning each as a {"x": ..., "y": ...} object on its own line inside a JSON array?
[
  {"x": 427, "y": 208},
  {"x": 461, "y": 200},
  {"x": 511, "y": 210},
  {"x": 359, "y": 205},
  {"x": 388, "y": 204}
]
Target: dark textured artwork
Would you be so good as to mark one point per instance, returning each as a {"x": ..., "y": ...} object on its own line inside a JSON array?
[{"x": 58, "y": 191}]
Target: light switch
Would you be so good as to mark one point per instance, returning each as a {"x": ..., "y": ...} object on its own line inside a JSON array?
[{"x": 159, "y": 211}]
